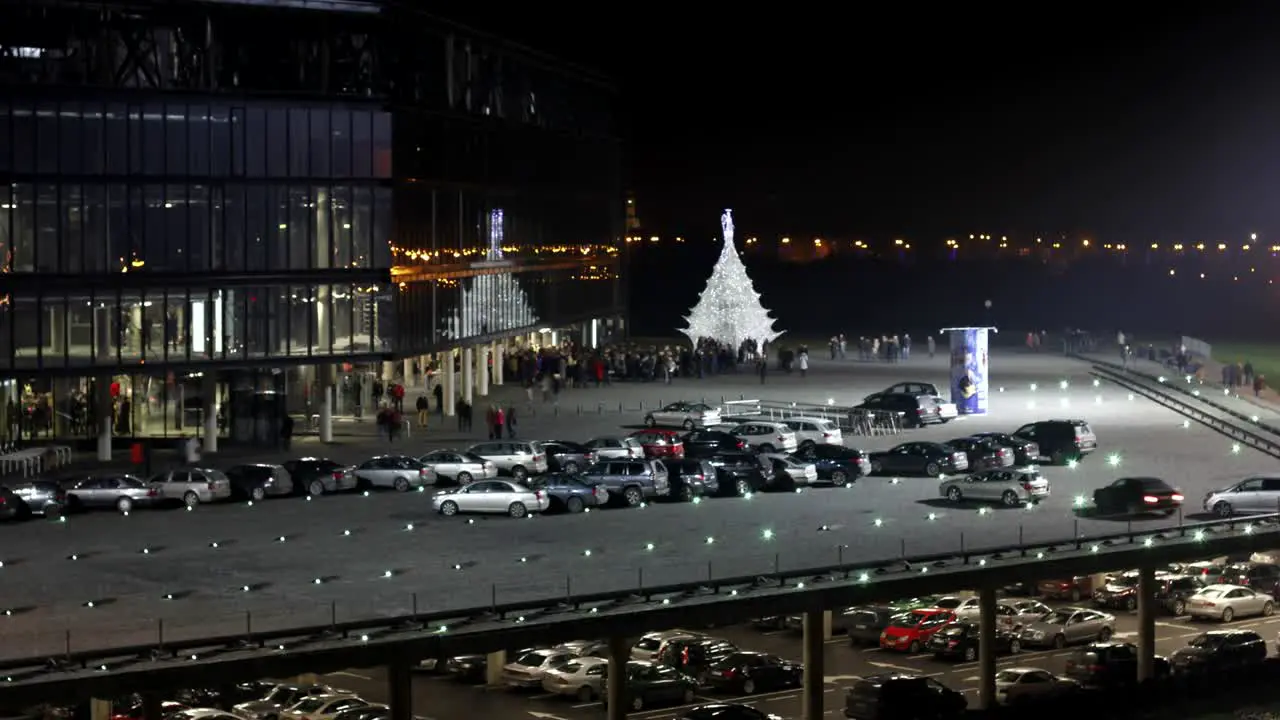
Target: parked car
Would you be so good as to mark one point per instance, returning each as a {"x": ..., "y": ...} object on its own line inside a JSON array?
[
  {"x": 1137, "y": 495},
  {"x": 691, "y": 478},
  {"x": 864, "y": 624},
  {"x": 747, "y": 673},
  {"x": 983, "y": 453},
  {"x": 514, "y": 458},
  {"x": 321, "y": 707},
  {"x": 664, "y": 444},
  {"x": 1068, "y": 626},
  {"x": 1220, "y": 650},
  {"x": 1011, "y": 487},
  {"x": 11, "y": 506},
  {"x": 901, "y": 695},
  {"x": 281, "y": 696},
  {"x": 1228, "y": 602},
  {"x": 1025, "y": 452},
  {"x": 738, "y": 474},
  {"x": 1017, "y": 685},
  {"x": 1109, "y": 664},
  {"x": 458, "y": 467},
  {"x": 318, "y": 476},
  {"x": 615, "y": 448},
  {"x": 401, "y": 472},
  {"x": 528, "y": 670},
  {"x": 912, "y": 410},
  {"x": 919, "y": 458},
  {"x": 42, "y": 498},
  {"x": 959, "y": 641},
  {"x": 581, "y": 678},
  {"x": 122, "y": 492},
  {"x": 1072, "y": 588},
  {"x": 765, "y": 437},
  {"x": 567, "y": 456},
  {"x": 631, "y": 482},
  {"x": 706, "y": 442},
  {"x": 258, "y": 481},
  {"x": 492, "y": 496},
  {"x": 570, "y": 493},
  {"x": 687, "y": 415},
  {"x": 1261, "y": 576},
  {"x": 650, "y": 644},
  {"x": 787, "y": 472},
  {"x": 695, "y": 656},
  {"x": 815, "y": 431},
  {"x": 650, "y": 684},
  {"x": 910, "y": 631},
  {"x": 836, "y": 464},
  {"x": 1059, "y": 441},
  {"x": 1256, "y": 494},
  {"x": 192, "y": 486}
]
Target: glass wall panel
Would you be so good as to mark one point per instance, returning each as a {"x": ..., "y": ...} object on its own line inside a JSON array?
[
  {"x": 195, "y": 225},
  {"x": 236, "y": 219},
  {"x": 71, "y": 229},
  {"x": 47, "y": 138},
  {"x": 116, "y": 138},
  {"x": 8, "y": 211},
  {"x": 319, "y": 140},
  {"x": 173, "y": 124},
  {"x": 222, "y": 149},
  {"x": 383, "y": 220},
  {"x": 361, "y": 143},
  {"x": 6, "y": 140},
  {"x": 198, "y": 136},
  {"x": 277, "y": 140},
  {"x": 48, "y": 250},
  {"x": 340, "y": 134},
  {"x": 69, "y": 137},
  {"x": 299, "y": 142},
  {"x": 255, "y": 142}
]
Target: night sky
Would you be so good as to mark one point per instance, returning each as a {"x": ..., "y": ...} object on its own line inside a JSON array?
[{"x": 1090, "y": 118}]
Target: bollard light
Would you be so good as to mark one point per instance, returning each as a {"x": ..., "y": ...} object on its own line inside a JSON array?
[
  {"x": 365, "y": 493},
  {"x": 318, "y": 581},
  {"x": 1040, "y": 556},
  {"x": 748, "y": 496},
  {"x": 249, "y": 504},
  {"x": 308, "y": 498},
  {"x": 982, "y": 561},
  {"x": 1149, "y": 542},
  {"x": 894, "y": 481},
  {"x": 767, "y": 534},
  {"x": 146, "y": 551},
  {"x": 282, "y": 538},
  {"x": 697, "y": 499},
  {"x": 710, "y": 540},
  {"x": 644, "y": 505},
  {"x": 877, "y": 522},
  {"x": 73, "y": 556},
  {"x": 1195, "y": 393},
  {"x": 1253, "y": 418},
  {"x": 1000, "y": 389},
  {"x": 190, "y": 508},
  {"x": 648, "y": 546},
  {"x": 1235, "y": 448},
  {"x": 213, "y": 545},
  {"x": 346, "y": 533},
  {"x": 931, "y": 517},
  {"x": 1226, "y": 391},
  {"x": 1161, "y": 379},
  {"x": 245, "y": 588},
  {"x": 408, "y": 527},
  {"x": 984, "y": 510},
  {"x": 1062, "y": 385},
  {"x": 1186, "y": 424},
  {"x": 458, "y": 566},
  {"x": 364, "y": 638},
  {"x": 1034, "y": 387},
  {"x": 1080, "y": 501},
  {"x": 1248, "y": 529},
  {"x": 864, "y": 577},
  {"x": 1130, "y": 396},
  {"x": 1199, "y": 535},
  {"x": 799, "y": 586},
  {"x": 666, "y": 601},
  {"x": 1072, "y": 463},
  {"x": 388, "y": 573},
  {"x": 1113, "y": 459},
  {"x": 1096, "y": 382},
  {"x": 472, "y": 521},
  {"x": 89, "y": 604},
  {"x": 524, "y": 559},
  {"x": 422, "y": 488}
]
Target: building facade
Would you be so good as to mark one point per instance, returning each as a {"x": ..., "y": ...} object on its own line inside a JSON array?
[{"x": 214, "y": 214}]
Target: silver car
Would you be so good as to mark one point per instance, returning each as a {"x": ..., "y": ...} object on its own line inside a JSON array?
[
  {"x": 122, "y": 492},
  {"x": 766, "y": 437},
  {"x": 514, "y": 458},
  {"x": 582, "y": 678},
  {"x": 528, "y": 670},
  {"x": 394, "y": 471},
  {"x": 687, "y": 415},
  {"x": 491, "y": 496},
  {"x": 615, "y": 448},
  {"x": 192, "y": 486},
  {"x": 459, "y": 467},
  {"x": 1068, "y": 626},
  {"x": 281, "y": 696},
  {"x": 1227, "y": 602},
  {"x": 1258, "y": 494},
  {"x": 786, "y": 467},
  {"x": 1009, "y": 486}
]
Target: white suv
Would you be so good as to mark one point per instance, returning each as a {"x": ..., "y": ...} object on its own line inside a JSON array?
[
  {"x": 517, "y": 459},
  {"x": 815, "y": 431},
  {"x": 765, "y": 437}
]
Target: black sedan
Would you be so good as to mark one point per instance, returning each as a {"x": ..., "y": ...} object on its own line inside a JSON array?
[
  {"x": 1220, "y": 650},
  {"x": 959, "y": 641},
  {"x": 1025, "y": 452},
  {"x": 568, "y": 493},
  {"x": 737, "y": 473},
  {"x": 1134, "y": 496},
  {"x": 919, "y": 458},
  {"x": 836, "y": 464},
  {"x": 726, "y": 711},
  {"x": 703, "y": 443},
  {"x": 983, "y": 453},
  {"x": 747, "y": 673}
]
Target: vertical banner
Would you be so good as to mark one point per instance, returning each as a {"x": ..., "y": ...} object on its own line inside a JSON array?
[{"x": 969, "y": 370}]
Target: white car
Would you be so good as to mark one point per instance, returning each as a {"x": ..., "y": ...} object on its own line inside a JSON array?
[
  {"x": 766, "y": 437},
  {"x": 799, "y": 471},
  {"x": 528, "y": 670},
  {"x": 615, "y": 448},
  {"x": 815, "y": 431},
  {"x": 322, "y": 707},
  {"x": 1008, "y": 613},
  {"x": 491, "y": 496},
  {"x": 1227, "y": 602},
  {"x": 1008, "y": 486},
  {"x": 1017, "y": 684},
  {"x": 582, "y": 678},
  {"x": 687, "y": 415}
]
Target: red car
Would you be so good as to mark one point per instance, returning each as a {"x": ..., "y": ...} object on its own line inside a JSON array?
[
  {"x": 659, "y": 443},
  {"x": 910, "y": 631}
]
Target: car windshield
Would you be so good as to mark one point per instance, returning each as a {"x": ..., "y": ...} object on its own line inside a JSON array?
[
  {"x": 1207, "y": 640},
  {"x": 909, "y": 620},
  {"x": 309, "y": 705},
  {"x": 279, "y": 695},
  {"x": 1211, "y": 594},
  {"x": 1126, "y": 581},
  {"x": 1056, "y": 618},
  {"x": 1008, "y": 676},
  {"x": 572, "y": 668},
  {"x": 649, "y": 643},
  {"x": 533, "y": 659}
]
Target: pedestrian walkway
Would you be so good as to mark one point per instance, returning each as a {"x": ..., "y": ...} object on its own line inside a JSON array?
[{"x": 1265, "y": 407}]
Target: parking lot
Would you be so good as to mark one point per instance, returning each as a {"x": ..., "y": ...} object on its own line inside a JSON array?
[{"x": 104, "y": 580}]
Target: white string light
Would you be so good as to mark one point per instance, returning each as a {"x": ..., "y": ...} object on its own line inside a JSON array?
[{"x": 729, "y": 308}]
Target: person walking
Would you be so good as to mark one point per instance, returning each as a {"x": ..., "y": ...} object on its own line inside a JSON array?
[
  {"x": 804, "y": 361},
  {"x": 511, "y": 423},
  {"x": 424, "y": 410},
  {"x": 439, "y": 393},
  {"x": 499, "y": 420},
  {"x": 490, "y": 420}
]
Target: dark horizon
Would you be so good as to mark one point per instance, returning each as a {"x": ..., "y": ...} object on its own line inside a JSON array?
[{"x": 1145, "y": 129}]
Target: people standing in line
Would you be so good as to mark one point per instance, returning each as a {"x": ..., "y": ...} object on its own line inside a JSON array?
[
  {"x": 511, "y": 422},
  {"x": 424, "y": 410}
]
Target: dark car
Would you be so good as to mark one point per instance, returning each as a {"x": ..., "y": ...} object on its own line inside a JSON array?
[
  {"x": 898, "y": 695},
  {"x": 747, "y": 673},
  {"x": 44, "y": 498},
  {"x": 919, "y": 458},
  {"x": 836, "y": 464},
  {"x": 569, "y": 493},
  {"x": 566, "y": 456},
  {"x": 694, "y": 656},
  {"x": 690, "y": 478},
  {"x": 1025, "y": 452},
  {"x": 914, "y": 410},
  {"x": 257, "y": 481},
  {"x": 1109, "y": 664},
  {"x": 1134, "y": 496},
  {"x": 1119, "y": 593},
  {"x": 1219, "y": 650},
  {"x": 1060, "y": 441},
  {"x": 11, "y": 507},
  {"x": 726, "y": 711},
  {"x": 1171, "y": 592},
  {"x": 705, "y": 443},
  {"x": 467, "y": 668},
  {"x": 1072, "y": 588},
  {"x": 317, "y": 476},
  {"x": 959, "y": 641},
  {"x": 652, "y": 684},
  {"x": 1261, "y": 577},
  {"x": 864, "y": 624},
  {"x": 1205, "y": 572},
  {"x": 982, "y": 453},
  {"x": 737, "y": 473}
]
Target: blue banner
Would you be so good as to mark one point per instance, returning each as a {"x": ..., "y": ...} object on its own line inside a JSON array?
[{"x": 969, "y": 370}]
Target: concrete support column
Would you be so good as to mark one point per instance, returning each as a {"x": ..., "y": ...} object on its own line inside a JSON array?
[
  {"x": 152, "y": 706},
  {"x": 827, "y": 624},
  {"x": 103, "y": 401},
  {"x": 408, "y": 372},
  {"x": 493, "y": 667},
  {"x": 1146, "y": 623},
  {"x": 987, "y": 648},
  {"x": 388, "y": 374},
  {"x": 449, "y": 392},
  {"x": 326, "y": 409},
  {"x": 482, "y": 370},
  {"x": 811, "y": 694},
  {"x": 99, "y": 709},
  {"x": 400, "y": 690},
  {"x": 468, "y": 381},
  {"x": 210, "y": 405},
  {"x": 616, "y": 681},
  {"x": 499, "y": 363},
  {"x": 584, "y": 339}
]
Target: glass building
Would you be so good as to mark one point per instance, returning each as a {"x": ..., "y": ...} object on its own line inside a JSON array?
[{"x": 202, "y": 237}]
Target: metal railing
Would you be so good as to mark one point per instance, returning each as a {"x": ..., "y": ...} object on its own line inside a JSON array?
[
  {"x": 33, "y": 461},
  {"x": 854, "y": 421}
]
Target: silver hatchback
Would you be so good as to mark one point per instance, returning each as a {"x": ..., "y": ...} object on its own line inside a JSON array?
[{"x": 192, "y": 486}]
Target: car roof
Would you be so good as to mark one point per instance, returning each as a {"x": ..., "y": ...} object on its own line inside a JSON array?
[{"x": 1223, "y": 587}]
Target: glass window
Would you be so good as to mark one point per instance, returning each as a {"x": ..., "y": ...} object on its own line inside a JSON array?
[
  {"x": 92, "y": 132},
  {"x": 23, "y": 128},
  {"x": 155, "y": 138},
  {"x": 302, "y": 209},
  {"x": 115, "y": 141},
  {"x": 255, "y": 142},
  {"x": 340, "y": 139},
  {"x": 221, "y": 148},
  {"x": 48, "y": 249},
  {"x": 197, "y": 140},
  {"x": 381, "y": 145},
  {"x": 235, "y": 223},
  {"x": 6, "y": 142},
  {"x": 196, "y": 225},
  {"x": 361, "y": 144},
  {"x": 319, "y": 141},
  {"x": 176, "y": 139},
  {"x": 299, "y": 142},
  {"x": 69, "y": 139},
  {"x": 71, "y": 219},
  {"x": 382, "y": 220},
  {"x": 277, "y": 140},
  {"x": 256, "y": 217},
  {"x": 47, "y": 138}
]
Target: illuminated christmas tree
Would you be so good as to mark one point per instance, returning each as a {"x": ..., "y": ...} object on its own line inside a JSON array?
[
  {"x": 491, "y": 302},
  {"x": 729, "y": 308}
]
